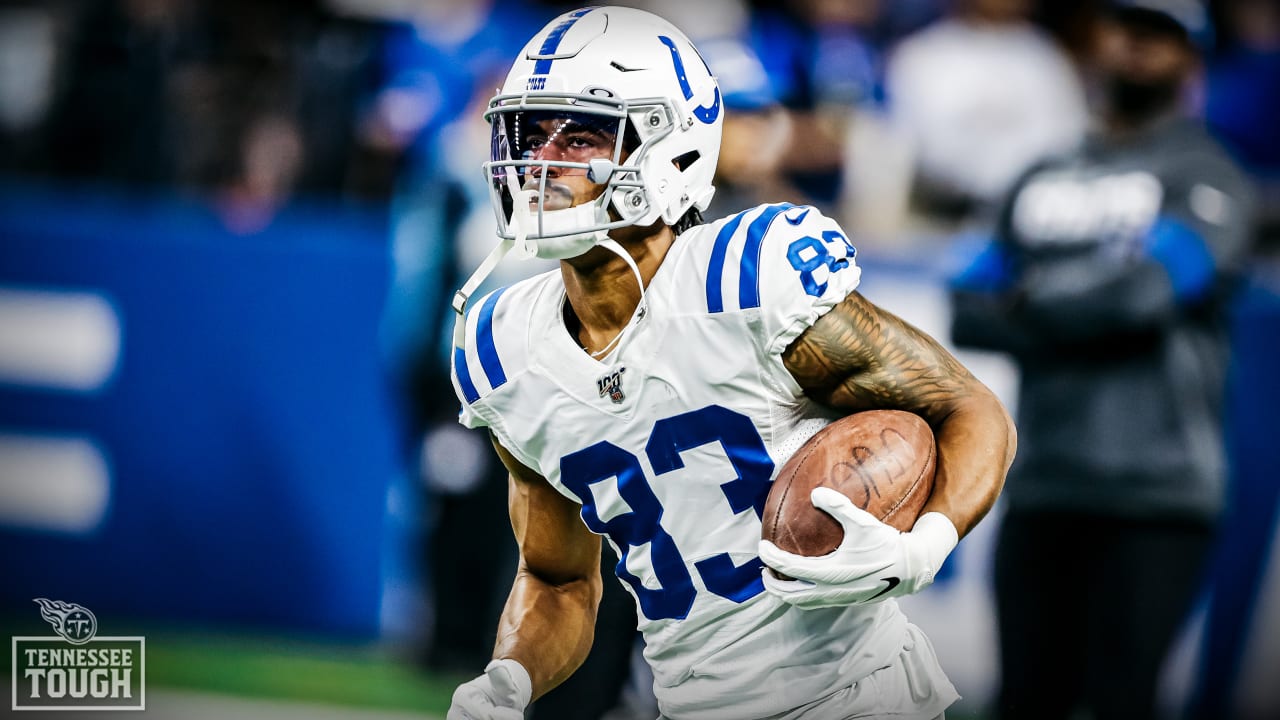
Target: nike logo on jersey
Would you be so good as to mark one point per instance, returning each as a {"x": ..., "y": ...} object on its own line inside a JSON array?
[
  {"x": 893, "y": 583},
  {"x": 798, "y": 218}
]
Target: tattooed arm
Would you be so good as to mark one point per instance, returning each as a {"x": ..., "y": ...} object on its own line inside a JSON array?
[{"x": 860, "y": 357}]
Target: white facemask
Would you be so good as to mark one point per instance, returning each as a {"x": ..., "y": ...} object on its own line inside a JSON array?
[
  {"x": 559, "y": 247},
  {"x": 523, "y": 223}
]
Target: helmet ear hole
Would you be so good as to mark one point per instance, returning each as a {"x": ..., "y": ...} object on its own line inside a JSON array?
[{"x": 682, "y": 162}]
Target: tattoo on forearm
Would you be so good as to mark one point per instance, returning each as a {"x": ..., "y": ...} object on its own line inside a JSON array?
[{"x": 860, "y": 357}]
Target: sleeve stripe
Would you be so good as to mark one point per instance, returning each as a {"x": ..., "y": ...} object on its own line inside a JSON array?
[
  {"x": 749, "y": 277},
  {"x": 484, "y": 342},
  {"x": 715, "y": 268},
  {"x": 464, "y": 376}
]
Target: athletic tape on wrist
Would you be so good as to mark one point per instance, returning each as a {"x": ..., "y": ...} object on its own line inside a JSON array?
[
  {"x": 938, "y": 535},
  {"x": 519, "y": 678}
]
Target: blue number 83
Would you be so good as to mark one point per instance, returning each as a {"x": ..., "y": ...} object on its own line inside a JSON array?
[
  {"x": 670, "y": 438},
  {"x": 808, "y": 254}
]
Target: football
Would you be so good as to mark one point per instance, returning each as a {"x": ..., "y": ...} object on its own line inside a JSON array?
[{"x": 883, "y": 460}]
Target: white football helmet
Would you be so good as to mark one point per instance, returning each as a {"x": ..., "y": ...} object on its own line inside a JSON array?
[
  {"x": 635, "y": 78},
  {"x": 638, "y": 77}
]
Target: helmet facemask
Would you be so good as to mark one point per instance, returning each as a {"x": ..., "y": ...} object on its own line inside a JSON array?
[
  {"x": 538, "y": 219},
  {"x": 532, "y": 142}
]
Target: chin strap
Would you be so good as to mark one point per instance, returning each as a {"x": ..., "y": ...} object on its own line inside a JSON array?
[
  {"x": 521, "y": 217},
  {"x": 463, "y": 295},
  {"x": 519, "y": 247},
  {"x": 495, "y": 256},
  {"x": 642, "y": 307}
]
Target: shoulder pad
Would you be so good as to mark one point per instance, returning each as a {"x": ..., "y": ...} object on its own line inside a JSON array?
[
  {"x": 802, "y": 243},
  {"x": 493, "y": 344}
]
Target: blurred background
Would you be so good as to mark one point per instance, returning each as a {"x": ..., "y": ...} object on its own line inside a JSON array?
[{"x": 229, "y": 232}]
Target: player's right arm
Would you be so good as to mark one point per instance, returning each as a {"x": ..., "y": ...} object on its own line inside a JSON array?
[
  {"x": 549, "y": 619},
  {"x": 548, "y": 623}
]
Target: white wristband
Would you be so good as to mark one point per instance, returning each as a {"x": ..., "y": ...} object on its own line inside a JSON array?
[
  {"x": 511, "y": 682},
  {"x": 937, "y": 537}
]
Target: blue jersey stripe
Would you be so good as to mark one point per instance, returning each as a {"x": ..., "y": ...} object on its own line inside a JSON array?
[
  {"x": 715, "y": 269},
  {"x": 749, "y": 277},
  {"x": 552, "y": 41},
  {"x": 484, "y": 342},
  {"x": 464, "y": 376}
]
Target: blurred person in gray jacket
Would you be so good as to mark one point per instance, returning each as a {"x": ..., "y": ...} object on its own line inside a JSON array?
[{"x": 1107, "y": 280}]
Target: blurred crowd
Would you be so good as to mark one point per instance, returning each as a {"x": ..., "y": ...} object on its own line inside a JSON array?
[
  {"x": 906, "y": 120},
  {"x": 903, "y": 118},
  {"x": 909, "y": 121}
]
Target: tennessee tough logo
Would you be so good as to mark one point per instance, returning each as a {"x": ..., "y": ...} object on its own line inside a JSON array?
[{"x": 77, "y": 668}]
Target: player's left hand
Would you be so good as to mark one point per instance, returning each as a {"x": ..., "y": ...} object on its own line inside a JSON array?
[{"x": 873, "y": 561}]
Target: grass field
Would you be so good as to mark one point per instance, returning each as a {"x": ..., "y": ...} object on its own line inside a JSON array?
[
  {"x": 191, "y": 675},
  {"x": 346, "y": 675},
  {"x": 223, "y": 677}
]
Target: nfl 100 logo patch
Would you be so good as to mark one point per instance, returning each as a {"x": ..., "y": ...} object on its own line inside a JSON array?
[
  {"x": 77, "y": 669},
  {"x": 611, "y": 386}
]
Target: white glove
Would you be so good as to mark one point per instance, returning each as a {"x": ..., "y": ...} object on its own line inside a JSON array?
[
  {"x": 873, "y": 561},
  {"x": 501, "y": 693}
]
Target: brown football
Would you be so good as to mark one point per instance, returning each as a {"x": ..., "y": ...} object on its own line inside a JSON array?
[{"x": 883, "y": 460}]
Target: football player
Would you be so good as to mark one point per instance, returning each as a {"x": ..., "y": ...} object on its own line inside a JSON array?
[{"x": 648, "y": 390}]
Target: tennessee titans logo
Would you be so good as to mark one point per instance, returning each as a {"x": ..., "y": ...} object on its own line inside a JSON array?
[
  {"x": 73, "y": 622},
  {"x": 611, "y": 385}
]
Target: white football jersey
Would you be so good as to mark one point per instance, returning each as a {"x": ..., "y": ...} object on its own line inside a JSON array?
[{"x": 670, "y": 445}]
